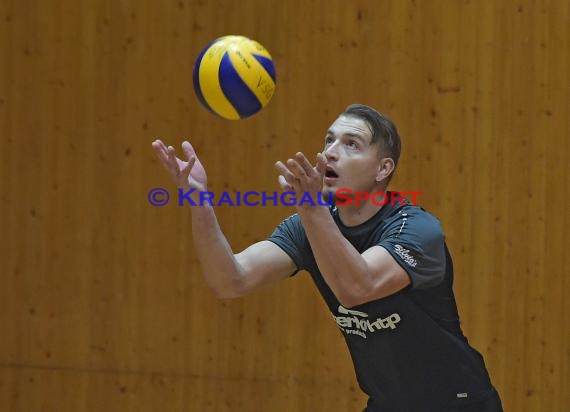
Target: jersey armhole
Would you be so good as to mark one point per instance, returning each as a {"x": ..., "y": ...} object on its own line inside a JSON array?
[{"x": 298, "y": 269}]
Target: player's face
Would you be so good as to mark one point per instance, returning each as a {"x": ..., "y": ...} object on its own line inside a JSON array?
[{"x": 352, "y": 162}]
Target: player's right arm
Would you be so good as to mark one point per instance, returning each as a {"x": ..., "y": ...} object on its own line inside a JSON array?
[
  {"x": 232, "y": 275},
  {"x": 229, "y": 275}
]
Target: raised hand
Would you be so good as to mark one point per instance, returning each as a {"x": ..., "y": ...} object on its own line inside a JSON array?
[
  {"x": 186, "y": 174},
  {"x": 300, "y": 176}
]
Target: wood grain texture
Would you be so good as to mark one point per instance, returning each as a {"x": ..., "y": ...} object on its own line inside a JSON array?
[{"x": 101, "y": 303}]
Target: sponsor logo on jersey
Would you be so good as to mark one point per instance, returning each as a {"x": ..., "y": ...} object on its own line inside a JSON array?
[
  {"x": 357, "y": 323},
  {"x": 405, "y": 255}
]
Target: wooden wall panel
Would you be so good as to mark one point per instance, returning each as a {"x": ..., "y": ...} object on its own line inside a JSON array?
[{"x": 101, "y": 303}]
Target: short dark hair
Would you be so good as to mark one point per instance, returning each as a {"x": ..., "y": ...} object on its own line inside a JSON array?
[{"x": 383, "y": 129}]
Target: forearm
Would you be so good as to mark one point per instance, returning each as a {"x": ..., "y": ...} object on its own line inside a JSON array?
[
  {"x": 219, "y": 265},
  {"x": 342, "y": 266}
]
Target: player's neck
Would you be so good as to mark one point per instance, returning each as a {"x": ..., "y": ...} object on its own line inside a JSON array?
[{"x": 352, "y": 215}]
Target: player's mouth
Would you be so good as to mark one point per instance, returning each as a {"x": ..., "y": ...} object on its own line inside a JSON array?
[{"x": 331, "y": 176}]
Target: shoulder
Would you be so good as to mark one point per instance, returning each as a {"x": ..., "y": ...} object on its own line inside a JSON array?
[
  {"x": 290, "y": 236},
  {"x": 416, "y": 241},
  {"x": 413, "y": 219},
  {"x": 421, "y": 218},
  {"x": 291, "y": 228},
  {"x": 293, "y": 221}
]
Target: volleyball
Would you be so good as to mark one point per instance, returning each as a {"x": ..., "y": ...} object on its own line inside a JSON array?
[{"x": 234, "y": 77}]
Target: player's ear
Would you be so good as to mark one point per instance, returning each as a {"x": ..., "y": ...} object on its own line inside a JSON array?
[{"x": 385, "y": 168}]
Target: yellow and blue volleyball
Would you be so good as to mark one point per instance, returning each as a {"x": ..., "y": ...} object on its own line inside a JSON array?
[{"x": 234, "y": 77}]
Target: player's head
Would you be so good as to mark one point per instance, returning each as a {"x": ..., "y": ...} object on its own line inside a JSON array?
[
  {"x": 362, "y": 148},
  {"x": 384, "y": 132}
]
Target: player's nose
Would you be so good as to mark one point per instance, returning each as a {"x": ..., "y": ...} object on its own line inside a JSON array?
[{"x": 331, "y": 152}]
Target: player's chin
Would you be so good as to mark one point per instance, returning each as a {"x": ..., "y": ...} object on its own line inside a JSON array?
[{"x": 328, "y": 192}]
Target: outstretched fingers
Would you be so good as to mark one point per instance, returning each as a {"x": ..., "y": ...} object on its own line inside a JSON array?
[
  {"x": 172, "y": 163},
  {"x": 287, "y": 175},
  {"x": 185, "y": 172},
  {"x": 189, "y": 152},
  {"x": 321, "y": 164},
  {"x": 167, "y": 156},
  {"x": 188, "y": 149},
  {"x": 304, "y": 164},
  {"x": 296, "y": 169},
  {"x": 160, "y": 152},
  {"x": 283, "y": 183}
]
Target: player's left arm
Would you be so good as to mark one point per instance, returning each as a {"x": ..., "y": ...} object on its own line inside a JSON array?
[{"x": 354, "y": 278}]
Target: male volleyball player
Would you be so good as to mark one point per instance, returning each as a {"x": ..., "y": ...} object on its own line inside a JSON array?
[{"x": 384, "y": 271}]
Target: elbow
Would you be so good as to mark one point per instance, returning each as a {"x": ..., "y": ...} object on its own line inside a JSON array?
[
  {"x": 224, "y": 294},
  {"x": 221, "y": 294},
  {"x": 355, "y": 290},
  {"x": 350, "y": 303},
  {"x": 355, "y": 294},
  {"x": 351, "y": 298},
  {"x": 228, "y": 291},
  {"x": 347, "y": 304}
]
